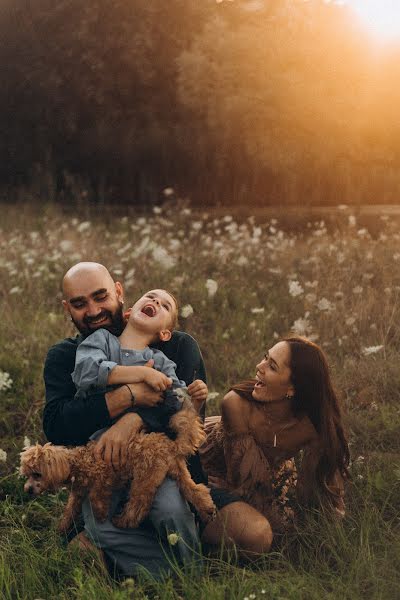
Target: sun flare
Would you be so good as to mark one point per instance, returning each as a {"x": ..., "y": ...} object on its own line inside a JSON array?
[{"x": 381, "y": 17}]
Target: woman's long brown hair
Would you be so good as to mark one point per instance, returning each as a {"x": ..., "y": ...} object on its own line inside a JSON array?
[{"x": 315, "y": 397}]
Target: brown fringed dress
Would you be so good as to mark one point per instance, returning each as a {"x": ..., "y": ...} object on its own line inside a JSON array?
[{"x": 271, "y": 463}]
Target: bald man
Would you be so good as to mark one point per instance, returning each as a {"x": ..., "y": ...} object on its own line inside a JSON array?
[{"x": 93, "y": 300}]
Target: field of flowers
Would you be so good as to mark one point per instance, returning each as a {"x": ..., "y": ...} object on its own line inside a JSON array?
[{"x": 241, "y": 283}]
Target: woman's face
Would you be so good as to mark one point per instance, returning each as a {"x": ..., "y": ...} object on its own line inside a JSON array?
[{"x": 273, "y": 375}]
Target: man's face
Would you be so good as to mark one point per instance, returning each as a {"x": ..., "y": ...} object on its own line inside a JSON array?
[{"x": 94, "y": 301}]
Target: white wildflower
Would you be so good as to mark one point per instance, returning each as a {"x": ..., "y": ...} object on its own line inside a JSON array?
[
  {"x": 371, "y": 350},
  {"x": 5, "y": 381},
  {"x": 212, "y": 396},
  {"x": 173, "y": 538},
  {"x": 242, "y": 261},
  {"x": 342, "y": 206},
  {"x": 256, "y": 311},
  {"x": 357, "y": 289},
  {"x": 15, "y": 290},
  {"x": 157, "y": 210},
  {"x": 212, "y": 287},
  {"x": 26, "y": 443},
  {"x": 350, "y": 321},
  {"x": 163, "y": 258},
  {"x": 66, "y": 246},
  {"x": 295, "y": 289},
  {"x": 84, "y": 226},
  {"x": 352, "y": 220},
  {"x": 168, "y": 191},
  {"x": 301, "y": 326},
  {"x": 325, "y": 305},
  {"x": 124, "y": 249},
  {"x": 197, "y": 225},
  {"x": 186, "y": 311},
  {"x": 275, "y": 270},
  {"x": 3, "y": 455},
  {"x": 257, "y": 231},
  {"x": 311, "y": 298},
  {"x": 227, "y": 219}
]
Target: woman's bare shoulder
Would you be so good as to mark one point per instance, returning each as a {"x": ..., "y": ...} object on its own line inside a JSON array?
[{"x": 235, "y": 412}]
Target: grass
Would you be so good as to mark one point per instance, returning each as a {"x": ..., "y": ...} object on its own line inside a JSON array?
[{"x": 348, "y": 285}]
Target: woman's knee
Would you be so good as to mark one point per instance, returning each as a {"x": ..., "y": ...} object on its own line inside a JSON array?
[
  {"x": 257, "y": 540},
  {"x": 240, "y": 525}
]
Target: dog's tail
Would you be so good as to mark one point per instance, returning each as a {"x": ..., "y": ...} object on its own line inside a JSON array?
[{"x": 189, "y": 431}]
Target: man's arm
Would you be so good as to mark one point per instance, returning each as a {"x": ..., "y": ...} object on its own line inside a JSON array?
[{"x": 71, "y": 421}]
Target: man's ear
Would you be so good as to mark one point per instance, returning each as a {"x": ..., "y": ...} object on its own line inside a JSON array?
[
  {"x": 165, "y": 335},
  {"x": 65, "y": 307},
  {"x": 119, "y": 290}
]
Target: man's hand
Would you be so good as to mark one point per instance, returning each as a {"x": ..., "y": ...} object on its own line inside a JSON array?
[
  {"x": 198, "y": 391},
  {"x": 145, "y": 395},
  {"x": 113, "y": 444}
]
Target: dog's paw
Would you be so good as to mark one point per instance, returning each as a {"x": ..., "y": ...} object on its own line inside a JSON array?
[{"x": 207, "y": 512}]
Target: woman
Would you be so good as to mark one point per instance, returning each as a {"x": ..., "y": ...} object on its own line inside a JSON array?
[{"x": 290, "y": 407}]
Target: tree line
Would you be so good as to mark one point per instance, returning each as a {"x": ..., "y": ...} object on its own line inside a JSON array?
[{"x": 257, "y": 101}]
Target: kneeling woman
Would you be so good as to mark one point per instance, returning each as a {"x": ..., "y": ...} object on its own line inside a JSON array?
[{"x": 290, "y": 407}]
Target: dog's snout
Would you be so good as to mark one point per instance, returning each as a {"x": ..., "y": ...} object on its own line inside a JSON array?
[{"x": 29, "y": 489}]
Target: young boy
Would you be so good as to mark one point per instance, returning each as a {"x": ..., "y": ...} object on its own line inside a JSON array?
[{"x": 104, "y": 360}]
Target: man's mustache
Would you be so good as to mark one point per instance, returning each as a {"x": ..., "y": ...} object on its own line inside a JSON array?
[{"x": 104, "y": 314}]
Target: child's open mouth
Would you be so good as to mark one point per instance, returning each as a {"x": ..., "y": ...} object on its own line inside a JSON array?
[{"x": 149, "y": 310}]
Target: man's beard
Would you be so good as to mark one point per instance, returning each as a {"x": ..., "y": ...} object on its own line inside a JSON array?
[{"x": 116, "y": 326}]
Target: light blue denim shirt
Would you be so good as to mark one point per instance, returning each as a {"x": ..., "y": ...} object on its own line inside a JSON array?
[{"x": 101, "y": 351}]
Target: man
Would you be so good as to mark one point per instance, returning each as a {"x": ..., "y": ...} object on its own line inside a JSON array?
[{"x": 93, "y": 300}]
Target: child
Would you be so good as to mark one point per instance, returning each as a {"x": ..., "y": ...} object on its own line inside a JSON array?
[{"x": 104, "y": 360}]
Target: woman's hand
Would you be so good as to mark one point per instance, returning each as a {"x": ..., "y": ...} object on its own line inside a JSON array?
[{"x": 217, "y": 482}]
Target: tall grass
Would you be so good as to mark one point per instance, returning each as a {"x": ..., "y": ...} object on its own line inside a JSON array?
[{"x": 336, "y": 282}]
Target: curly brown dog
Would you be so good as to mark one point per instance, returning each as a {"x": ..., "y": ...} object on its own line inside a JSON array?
[{"x": 151, "y": 457}]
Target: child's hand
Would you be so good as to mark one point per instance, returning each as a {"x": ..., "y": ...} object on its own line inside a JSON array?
[
  {"x": 198, "y": 391},
  {"x": 158, "y": 381}
]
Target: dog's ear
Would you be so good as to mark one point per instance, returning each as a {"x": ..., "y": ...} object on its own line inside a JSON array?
[
  {"x": 30, "y": 459},
  {"x": 54, "y": 464}
]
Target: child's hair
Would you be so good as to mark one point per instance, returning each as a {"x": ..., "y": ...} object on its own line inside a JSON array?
[{"x": 174, "y": 315}]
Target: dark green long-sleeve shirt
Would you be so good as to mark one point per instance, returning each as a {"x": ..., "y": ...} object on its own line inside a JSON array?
[{"x": 71, "y": 421}]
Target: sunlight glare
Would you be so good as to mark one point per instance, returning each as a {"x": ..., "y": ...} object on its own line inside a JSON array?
[{"x": 381, "y": 17}]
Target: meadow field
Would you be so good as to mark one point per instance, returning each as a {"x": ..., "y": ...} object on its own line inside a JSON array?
[{"x": 242, "y": 283}]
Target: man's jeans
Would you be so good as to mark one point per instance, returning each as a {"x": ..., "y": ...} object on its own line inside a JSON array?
[{"x": 147, "y": 547}]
